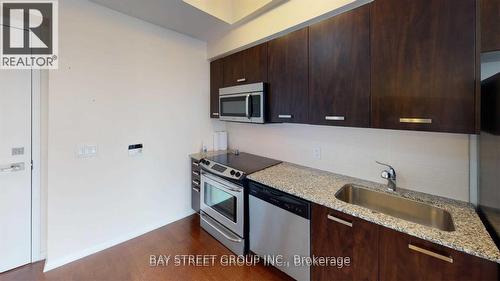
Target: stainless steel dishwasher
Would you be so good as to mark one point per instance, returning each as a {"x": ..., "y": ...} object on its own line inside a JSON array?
[{"x": 280, "y": 227}]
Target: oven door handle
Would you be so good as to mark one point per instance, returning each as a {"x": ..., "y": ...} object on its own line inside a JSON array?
[
  {"x": 220, "y": 185},
  {"x": 232, "y": 189}
]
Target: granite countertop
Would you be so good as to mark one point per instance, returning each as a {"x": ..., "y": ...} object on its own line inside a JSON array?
[
  {"x": 470, "y": 235},
  {"x": 201, "y": 155}
]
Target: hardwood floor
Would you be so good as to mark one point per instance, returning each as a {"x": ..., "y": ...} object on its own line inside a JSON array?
[{"x": 131, "y": 260}]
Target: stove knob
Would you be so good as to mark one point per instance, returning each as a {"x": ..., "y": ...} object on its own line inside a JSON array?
[
  {"x": 232, "y": 172},
  {"x": 238, "y": 174},
  {"x": 207, "y": 162}
]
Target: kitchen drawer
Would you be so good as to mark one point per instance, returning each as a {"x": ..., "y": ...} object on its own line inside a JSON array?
[
  {"x": 195, "y": 175},
  {"x": 195, "y": 165},
  {"x": 195, "y": 197},
  {"x": 195, "y": 183}
]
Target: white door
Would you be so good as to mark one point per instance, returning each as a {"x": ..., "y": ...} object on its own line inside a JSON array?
[{"x": 15, "y": 168}]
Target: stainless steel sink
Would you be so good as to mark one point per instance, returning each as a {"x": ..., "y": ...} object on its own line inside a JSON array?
[{"x": 397, "y": 207}]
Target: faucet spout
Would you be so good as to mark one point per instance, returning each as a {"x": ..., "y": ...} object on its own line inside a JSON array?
[{"x": 389, "y": 175}]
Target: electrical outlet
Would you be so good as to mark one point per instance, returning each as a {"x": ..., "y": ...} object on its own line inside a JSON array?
[{"x": 317, "y": 153}]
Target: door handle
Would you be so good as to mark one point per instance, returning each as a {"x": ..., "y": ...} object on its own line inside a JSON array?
[
  {"x": 341, "y": 221},
  {"x": 415, "y": 120},
  {"x": 335, "y": 118},
  {"x": 430, "y": 253},
  {"x": 15, "y": 167},
  {"x": 247, "y": 105}
]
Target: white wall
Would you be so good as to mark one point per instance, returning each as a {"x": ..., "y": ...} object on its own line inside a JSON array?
[
  {"x": 120, "y": 81},
  {"x": 291, "y": 15},
  {"x": 433, "y": 163}
]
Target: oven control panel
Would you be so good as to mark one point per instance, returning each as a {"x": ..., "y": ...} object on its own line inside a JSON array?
[{"x": 221, "y": 170}]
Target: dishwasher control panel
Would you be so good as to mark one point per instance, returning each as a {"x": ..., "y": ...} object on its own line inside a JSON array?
[{"x": 280, "y": 199}]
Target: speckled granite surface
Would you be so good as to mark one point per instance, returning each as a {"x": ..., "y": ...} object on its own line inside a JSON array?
[
  {"x": 317, "y": 186},
  {"x": 199, "y": 156}
]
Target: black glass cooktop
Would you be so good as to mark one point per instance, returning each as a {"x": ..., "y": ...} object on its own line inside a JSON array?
[{"x": 245, "y": 162}]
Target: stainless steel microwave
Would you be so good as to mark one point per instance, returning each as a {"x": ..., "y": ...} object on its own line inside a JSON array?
[{"x": 245, "y": 103}]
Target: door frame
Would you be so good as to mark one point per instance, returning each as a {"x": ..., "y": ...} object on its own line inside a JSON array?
[
  {"x": 36, "y": 194},
  {"x": 36, "y": 190}
]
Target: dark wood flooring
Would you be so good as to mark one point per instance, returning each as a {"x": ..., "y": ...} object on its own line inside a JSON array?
[{"x": 130, "y": 260}]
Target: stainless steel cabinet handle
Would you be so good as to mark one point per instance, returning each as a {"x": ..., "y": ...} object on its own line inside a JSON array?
[
  {"x": 196, "y": 189},
  {"x": 285, "y": 116},
  {"x": 196, "y": 164},
  {"x": 429, "y": 253},
  {"x": 197, "y": 183},
  {"x": 335, "y": 118},
  {"x": 415, "y": 120},
  {"x": 15, "y": 167},
  {"x": 335, "y": 219},
  {"x": 223, "y": 233},
  {"x": 196, "y": 173},
  {"x": 215, "y": 114},
  {"x": 241, "y": 80}
]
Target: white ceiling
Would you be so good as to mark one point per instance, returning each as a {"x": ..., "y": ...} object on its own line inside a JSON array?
[{"x": 172, "y": 14}]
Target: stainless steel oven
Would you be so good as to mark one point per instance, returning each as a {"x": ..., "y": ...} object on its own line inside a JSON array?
[
  {"x": 222, "y": 207},
  {"x": 245, "y": 103}
]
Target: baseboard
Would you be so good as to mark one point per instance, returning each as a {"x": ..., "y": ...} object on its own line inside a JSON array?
[{"x": 52, "y": 264}]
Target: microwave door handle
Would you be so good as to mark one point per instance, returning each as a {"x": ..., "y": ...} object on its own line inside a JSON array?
[{"x": 247, "y": 105}]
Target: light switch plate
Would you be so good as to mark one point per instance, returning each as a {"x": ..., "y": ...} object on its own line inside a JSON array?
[
  {"x": 16, "y": 151},
  {"x": 317, "y": 153},
  {"x": 86, "y": 151}
]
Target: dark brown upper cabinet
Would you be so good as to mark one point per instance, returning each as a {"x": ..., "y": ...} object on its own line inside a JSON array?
[
  {"x": 423, "y": 65},
  {"x": 245, "y": 67},
  {"x": 335, "y": 234},
  {"x": 403, "y": 257},
  {"x": 288, "y": 79},
  {"x": 490, "y": 25},
  {"x": 216, "y": 82},
  {"x": 339, "y": 70}
]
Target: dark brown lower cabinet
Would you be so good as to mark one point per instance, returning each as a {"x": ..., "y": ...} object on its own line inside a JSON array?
[
  {"x": 380, "y": 253},
  {"x": 337, "y": 235},
  {"x": 404, "y": 257},
  {"x": 195, "y": 185}
]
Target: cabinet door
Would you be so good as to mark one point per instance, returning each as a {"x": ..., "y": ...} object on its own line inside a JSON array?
[
  {"x": 216, "y": 82},
  {"x": 247, "y": 66},
  {"x": 490, "y": 25},
  {"x": 423, "y": 65},
  {"x": 403, "y": 257},
  {"x": 288, "y": 78},
  {"x": 334, "y": 234},
  {"x": 339, "y": 70}
]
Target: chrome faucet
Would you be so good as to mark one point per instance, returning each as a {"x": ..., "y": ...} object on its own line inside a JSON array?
[{"x": 389, "y": 175}]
